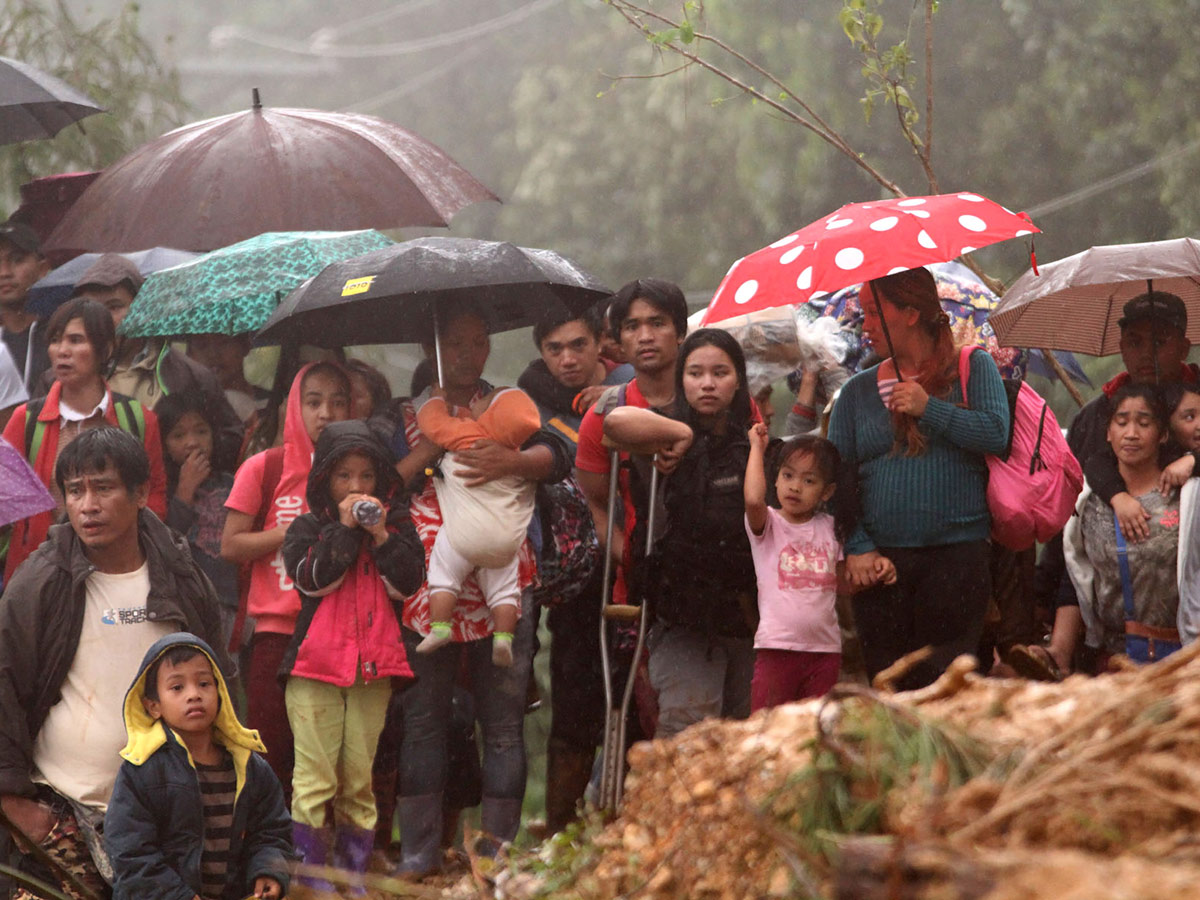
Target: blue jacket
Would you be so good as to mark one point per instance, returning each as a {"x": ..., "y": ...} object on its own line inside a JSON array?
[{"x": 154, "y": 827}]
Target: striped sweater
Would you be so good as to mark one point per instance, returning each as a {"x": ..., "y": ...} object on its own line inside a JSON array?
[{"x": 939, "y": 497}]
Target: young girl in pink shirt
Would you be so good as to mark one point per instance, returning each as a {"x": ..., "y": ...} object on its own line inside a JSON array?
[{"x": 797, "y": 551}]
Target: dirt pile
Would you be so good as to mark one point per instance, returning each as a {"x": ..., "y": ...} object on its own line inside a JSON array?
[{"x": 973, "y": 788}]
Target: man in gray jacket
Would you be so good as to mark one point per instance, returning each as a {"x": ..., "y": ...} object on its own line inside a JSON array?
[{"x": 75, "y": 621}]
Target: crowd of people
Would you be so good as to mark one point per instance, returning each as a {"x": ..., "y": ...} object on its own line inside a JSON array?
[{"x": 361, "y": 578}]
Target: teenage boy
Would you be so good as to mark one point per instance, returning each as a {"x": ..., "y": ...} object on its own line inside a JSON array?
[
  {"x": 229, "y": 839},
  {"x": 566, "y": 380},
  {"x": 75, "y": 621}
]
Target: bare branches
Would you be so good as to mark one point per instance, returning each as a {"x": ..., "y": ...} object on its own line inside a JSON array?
[
  {"x": 678, "y": 37},
  {"x": 928, "y": 156}
]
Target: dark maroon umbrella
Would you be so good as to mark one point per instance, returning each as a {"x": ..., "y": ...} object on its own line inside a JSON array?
[{"x": 217, "y": 182}]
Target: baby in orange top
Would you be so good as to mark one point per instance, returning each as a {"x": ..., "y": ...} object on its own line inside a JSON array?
[{"x": 482, "y": 526}]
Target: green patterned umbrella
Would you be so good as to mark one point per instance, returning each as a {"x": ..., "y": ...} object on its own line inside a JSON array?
[{"x": 235, "y": 289}]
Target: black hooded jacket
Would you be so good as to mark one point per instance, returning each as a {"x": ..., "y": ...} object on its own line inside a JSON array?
[{"x": 329, "y": 562}]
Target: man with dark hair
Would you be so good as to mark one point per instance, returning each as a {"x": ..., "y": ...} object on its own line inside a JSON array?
[
  {"x": 567, "y": 379},
  {"x": 571, "y": 374},
  {"x": 149, "y": 369},
  {"x": 22, "y": 264},
  {"x": 75, "y": 621},
  {"x": 649, "y": 319},
  {"x": 662, "y": 295}
]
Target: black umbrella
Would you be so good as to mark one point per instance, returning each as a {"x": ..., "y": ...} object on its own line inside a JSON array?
[
  {"x": 391, "y": 296},
  {"x": 35, "y": 105}
]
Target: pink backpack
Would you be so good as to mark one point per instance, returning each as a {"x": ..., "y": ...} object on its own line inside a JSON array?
[{"x": 1032, "y": 489}]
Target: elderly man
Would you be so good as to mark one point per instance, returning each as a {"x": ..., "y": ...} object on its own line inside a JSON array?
[
  {"x": 75, "y": 621},
  {"x": 149, "y": 369}
]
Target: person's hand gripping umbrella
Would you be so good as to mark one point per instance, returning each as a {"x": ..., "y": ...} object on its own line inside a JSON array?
[{"x": 861, "y": 241}]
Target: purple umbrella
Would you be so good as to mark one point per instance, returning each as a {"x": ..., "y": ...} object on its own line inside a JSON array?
[{"x": 22, "y": 493}]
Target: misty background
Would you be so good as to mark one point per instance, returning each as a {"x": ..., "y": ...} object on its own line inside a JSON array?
[{"x": 1081, "y": 112}]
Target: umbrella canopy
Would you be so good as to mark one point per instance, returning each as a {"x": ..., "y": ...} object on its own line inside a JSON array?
[
  {"x": 233, "y": 290},
  {"x": 966, "y": 300},
  {"x": 223, "y": 180},
  {"x": 390, "y": 296},
  {"x": 35, "y": 105},
  {"x": 22, "y": 493},
  {"x": 862, "y": 241},
  {"x": 1074, "y": 303},
  {"x": 50, "y": 292}
]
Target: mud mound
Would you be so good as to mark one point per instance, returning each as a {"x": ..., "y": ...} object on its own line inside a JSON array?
[{"x": 971, "y": 788}]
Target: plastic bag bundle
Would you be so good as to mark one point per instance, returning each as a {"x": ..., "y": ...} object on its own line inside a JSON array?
[{"x": 769, "y": 340}]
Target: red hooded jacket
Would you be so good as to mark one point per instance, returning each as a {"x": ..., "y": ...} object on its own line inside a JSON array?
[{"x": 351, "y": 591}]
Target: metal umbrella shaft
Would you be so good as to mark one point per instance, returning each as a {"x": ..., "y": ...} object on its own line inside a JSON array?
[
  {"x": 437, "y": 349},
  {"x": 887, "y": 335}
]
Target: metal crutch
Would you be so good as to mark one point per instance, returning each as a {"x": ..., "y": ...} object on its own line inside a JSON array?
[{"x": 612, "y": 771}]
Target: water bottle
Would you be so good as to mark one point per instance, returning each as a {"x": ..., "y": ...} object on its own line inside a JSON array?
[{"x": 366, "y": 513}]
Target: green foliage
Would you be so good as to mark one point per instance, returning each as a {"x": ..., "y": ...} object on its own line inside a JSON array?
[
  {"x": 885, "y": 69},
  {"x": 874, "y": 750},
  {"x": 564, "y": 858},
  {"x": 111, "y": 62}
]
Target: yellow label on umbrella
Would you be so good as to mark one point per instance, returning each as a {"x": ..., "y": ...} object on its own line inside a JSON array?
[{"x": 357, "y": 286}]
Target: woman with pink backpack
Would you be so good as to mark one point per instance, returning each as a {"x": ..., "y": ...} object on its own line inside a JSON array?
[{"x": 918, "y": 445}]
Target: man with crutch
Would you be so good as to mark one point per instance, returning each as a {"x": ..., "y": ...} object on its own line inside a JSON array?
[{"x": 648, "y": 318}]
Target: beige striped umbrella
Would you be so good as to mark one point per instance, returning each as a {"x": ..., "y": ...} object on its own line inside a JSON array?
[{"x": 1074, "y": 303}]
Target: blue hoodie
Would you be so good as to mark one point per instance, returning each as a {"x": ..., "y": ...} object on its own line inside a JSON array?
[{"x": 154, "y": 828}]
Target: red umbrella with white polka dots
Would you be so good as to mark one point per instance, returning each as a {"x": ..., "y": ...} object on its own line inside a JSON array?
[{"x": 862, "y": 241}]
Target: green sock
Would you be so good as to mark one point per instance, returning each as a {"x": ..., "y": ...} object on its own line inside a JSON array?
[
  {"x": 504, "y": 637},
  {"x": 439, "y": 629}
]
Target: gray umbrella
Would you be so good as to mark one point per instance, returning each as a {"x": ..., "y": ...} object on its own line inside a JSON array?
[
  {"x": 391, "y": 296},
  {"x": 35, "y": 105},
  {"x": 1075, "y": 303}
]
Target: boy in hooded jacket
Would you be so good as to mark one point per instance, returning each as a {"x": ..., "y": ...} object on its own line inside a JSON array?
[
  {"x": 195, "y": 812},
  {"x": 354, "y": 558}
]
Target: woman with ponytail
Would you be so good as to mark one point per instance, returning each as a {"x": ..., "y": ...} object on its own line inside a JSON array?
[{"x": 920, "y": 552}]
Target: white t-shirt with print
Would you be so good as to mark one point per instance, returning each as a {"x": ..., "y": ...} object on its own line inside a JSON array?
[
  {"x": 77, "y": 750},
  {"x": 796, "y": 567}
]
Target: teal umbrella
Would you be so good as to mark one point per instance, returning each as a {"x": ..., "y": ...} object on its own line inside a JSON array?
[{"x": 235, "y": 289}]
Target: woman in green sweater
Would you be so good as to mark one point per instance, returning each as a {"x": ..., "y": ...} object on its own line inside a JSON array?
[{"x": 920, "y": 552}]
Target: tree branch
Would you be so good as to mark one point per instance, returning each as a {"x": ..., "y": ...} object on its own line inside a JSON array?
[
  {"x": 645, "y": 77},
  {"x": 633, "y": 14},
  {"x": 927, "y": 157}
]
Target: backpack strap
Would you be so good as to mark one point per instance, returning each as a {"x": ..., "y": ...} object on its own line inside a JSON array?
[
  {"x": 131, "y": 415},
  {"x": 272, "y": 473},
  {"x": 35, "y": 430},
  {"x": 1126, "y": 577},
  {"x": 611, "y": 398},
  {"x": 964, "y": 368}
]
